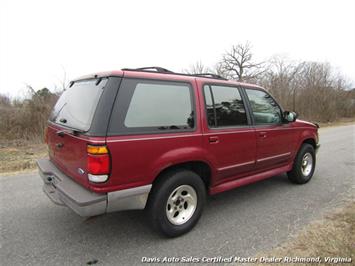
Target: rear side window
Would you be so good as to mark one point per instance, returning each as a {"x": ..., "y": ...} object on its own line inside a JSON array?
[
  {"x": 224, "y": 106},
  {"x": 76, "y": 106},
  {"x": 145, "y": 106}
]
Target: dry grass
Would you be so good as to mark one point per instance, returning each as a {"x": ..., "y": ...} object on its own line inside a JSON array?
[
  {"x": 339, "y": 122},
  {"x": 19, "y": 156},
  {"x": 334, "y": 237}
]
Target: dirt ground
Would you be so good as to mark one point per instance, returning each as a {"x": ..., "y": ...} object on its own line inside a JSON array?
[
  {"x": 20, "y": 155},
  {"x": 330, "y": 238}
]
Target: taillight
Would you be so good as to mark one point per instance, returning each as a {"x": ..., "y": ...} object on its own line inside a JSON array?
[{"x": 98, "y": 163}]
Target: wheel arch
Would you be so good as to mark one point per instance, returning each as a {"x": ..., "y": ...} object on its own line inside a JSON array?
[
  {"x": 201, "y": 168},
  {"x": 310, "y": 141}
]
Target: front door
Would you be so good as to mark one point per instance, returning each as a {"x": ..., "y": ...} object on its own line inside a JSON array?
[{"x": 274, "y": 138}]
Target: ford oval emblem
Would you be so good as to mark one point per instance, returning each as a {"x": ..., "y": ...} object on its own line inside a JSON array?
[{"x": 81, "y": 171}]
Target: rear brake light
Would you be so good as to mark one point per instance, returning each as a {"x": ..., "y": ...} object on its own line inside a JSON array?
[{"x": 98, "y": 163}]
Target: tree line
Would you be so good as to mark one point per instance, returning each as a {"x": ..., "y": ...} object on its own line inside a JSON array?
[
  {"x": 26, "y": 119},
  {"x": 312, "y": 89}
]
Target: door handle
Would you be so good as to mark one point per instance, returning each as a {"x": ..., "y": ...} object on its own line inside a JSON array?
[
  {"x": 263, "y": 134},
  {"x": 213, "y": 139}
]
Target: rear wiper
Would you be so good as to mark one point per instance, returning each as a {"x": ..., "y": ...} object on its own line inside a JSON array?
[
  {"x": 61, "y": 108},
  {"x": 75, "y": 132}
]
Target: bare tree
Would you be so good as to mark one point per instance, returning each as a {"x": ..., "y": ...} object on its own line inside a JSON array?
[
  {"x": 280, "y": 77},
  {"x": 238, "y": 64},
  {"x": 197, "y": 68},
  {"x": 4, "y": 100},
  {"x": 219, "y": 70}
]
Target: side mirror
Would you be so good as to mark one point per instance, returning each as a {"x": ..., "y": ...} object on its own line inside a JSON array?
[{"x": 290, "y": 116}]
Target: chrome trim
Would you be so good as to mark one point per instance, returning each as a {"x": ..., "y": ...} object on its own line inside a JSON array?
[
  {"x": 235, "y": 165},
  {"x": 273, "y": 157},
  {"x": 264, "y": 128},
  {"x": 153, "y": 138},
  {"x": 229, "y": 132}
]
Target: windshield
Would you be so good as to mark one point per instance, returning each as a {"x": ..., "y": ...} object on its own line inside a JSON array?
[{"x": 76, "y": 106}]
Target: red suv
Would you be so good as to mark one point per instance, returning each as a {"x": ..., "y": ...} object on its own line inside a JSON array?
[{"x": 152, "y": 139}]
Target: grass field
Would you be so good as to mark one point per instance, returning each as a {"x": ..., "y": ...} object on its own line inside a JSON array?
[
  {"x": 330, "y": 238},
  {"x": 20, "y": 155}
]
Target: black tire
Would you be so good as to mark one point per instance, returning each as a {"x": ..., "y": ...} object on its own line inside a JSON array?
[
  {"x": 157, "y": 204},
  {"x": 297, "y": 175}
]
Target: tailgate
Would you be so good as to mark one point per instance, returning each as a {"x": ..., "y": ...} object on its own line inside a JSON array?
[
  {"x": 68, "y": 153},
  {"x": 71, "y": 118}
]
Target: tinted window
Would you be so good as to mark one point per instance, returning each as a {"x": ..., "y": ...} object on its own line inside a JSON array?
[
  {"x": 152, "y": 106},
  {"x": 159, "y": 105},
  {"x": 76, "y": 106},
  {"x": 265, "y": 109},
  {"x": 209, "y": 107},
  {"x": 224, "y": 106}
]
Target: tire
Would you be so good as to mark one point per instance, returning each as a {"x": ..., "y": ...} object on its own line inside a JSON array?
[
  {"x": 304, "y": 165},
  {"x": 176, "y": 202}
]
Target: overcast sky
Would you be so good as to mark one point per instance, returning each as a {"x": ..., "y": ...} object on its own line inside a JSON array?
[{"x": 38, "y": 39}]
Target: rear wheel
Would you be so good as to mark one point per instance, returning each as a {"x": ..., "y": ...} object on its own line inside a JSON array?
[
  {"x": 176, "y": 202},
  {"x": 304, "y": 165}
]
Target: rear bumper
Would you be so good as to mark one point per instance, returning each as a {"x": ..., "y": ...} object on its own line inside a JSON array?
[{"x": 62, "y": 190}]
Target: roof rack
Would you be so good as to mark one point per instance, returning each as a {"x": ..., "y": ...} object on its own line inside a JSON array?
[
  {"x": 150, "y": 69},
  {"x": 209, "y": 75},
  {"x": 166, "y": 71}
]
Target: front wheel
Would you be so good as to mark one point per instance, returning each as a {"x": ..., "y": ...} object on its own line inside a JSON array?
[
  {"x": 176, "y": 202},
  {"x": 304, "y": 165}
]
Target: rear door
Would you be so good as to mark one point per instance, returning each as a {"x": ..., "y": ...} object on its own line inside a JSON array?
[
  {"x": 275, "y": 139},
  {"x": 70, "y": 121},
  {"x": 228, "y": 135}
]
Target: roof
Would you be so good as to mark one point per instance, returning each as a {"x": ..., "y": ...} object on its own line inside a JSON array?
[{"x": 164, "y": 74}]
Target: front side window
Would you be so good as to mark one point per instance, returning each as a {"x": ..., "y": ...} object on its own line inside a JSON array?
[
  {"x": 149, "y": 106},
  {"x": 224, "y": 106},
  {"x": 265, "y": 109}
]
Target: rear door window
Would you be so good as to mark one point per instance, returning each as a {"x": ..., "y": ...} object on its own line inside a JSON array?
[
  {"x": 76, "y": 106},
  {"x": 145, "y": 106},
  {"x": 224, "y": 106}
]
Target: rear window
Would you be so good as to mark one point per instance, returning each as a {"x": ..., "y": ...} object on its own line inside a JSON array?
[{"x": 76, "y": 106}]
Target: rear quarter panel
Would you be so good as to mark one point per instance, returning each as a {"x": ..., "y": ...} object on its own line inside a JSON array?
[{"x": 138, "y": 160}]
